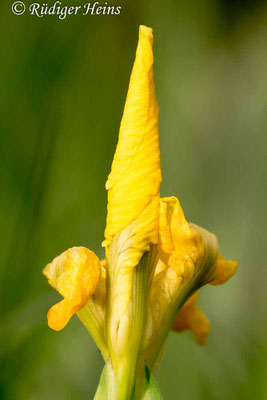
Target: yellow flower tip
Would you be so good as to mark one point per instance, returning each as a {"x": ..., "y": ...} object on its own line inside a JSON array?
[
  {"x": 190, "y": 317},
  {"x": 225, "y": 269},
  {"x": 145, "y": 31},
  {"x": 75, "y": 275},
  {"x": 134, "y": 180}
]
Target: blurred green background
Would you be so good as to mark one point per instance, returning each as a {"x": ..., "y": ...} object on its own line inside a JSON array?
[{"x": 63, "y": 86}]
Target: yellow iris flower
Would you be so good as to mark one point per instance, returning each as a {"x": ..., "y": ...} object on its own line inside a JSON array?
[{"x": 156, "y": 261}]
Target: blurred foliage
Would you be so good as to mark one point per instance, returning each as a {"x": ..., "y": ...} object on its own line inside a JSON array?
[{"x": 63, "y": 85}]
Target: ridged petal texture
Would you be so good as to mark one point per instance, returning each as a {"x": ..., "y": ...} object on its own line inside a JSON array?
[
  {"x": 75, "y": 275},
  {"x": 134, "y": 180}
]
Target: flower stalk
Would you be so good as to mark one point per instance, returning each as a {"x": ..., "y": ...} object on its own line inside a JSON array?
[
  {"x": 156, "y": 261},
  {"x": 124, "y": 335}
]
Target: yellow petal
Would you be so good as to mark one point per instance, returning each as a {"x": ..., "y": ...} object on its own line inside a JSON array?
[
  {"x": 75, "y": 275},
  {"x": 187, "y": 261},
  {"x": 59, "y": 314},
  {"x": 225, "y": 269},
  {"x": 183, "y": 246},
  {"x": 192, "y": 252},
  {"x": 174, "y": 229},
  {"x": 187, "y": 256},
  {"x": 133, "y": 184},
  {"x": 192, "y": 318}
]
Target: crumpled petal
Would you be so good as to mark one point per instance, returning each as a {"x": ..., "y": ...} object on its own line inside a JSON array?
[
  {"x": 192, "y": 252},
  {"x": 191, "y": 317},
  {"x": 184, "y": 247},
  {"x": 75, "y": 275},
  {"x": 187, "y": 261},
  {"x": 134, "y": 180},
  {"x": 225, "y": 269}
]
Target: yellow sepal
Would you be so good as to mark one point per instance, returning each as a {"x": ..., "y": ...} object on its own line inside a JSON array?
[
  {"x": 192, "y": 252},
  {"x": 191, "y": 317},
  {"x": 75, "y": 275},
  {"x": 225, "y": 269}
]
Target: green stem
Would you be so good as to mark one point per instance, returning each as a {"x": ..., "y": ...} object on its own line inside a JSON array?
[
  {"x": 125, "y": 352},
  {"x": 108, "y": 389},
  {"x": 152, "y": 391}
]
